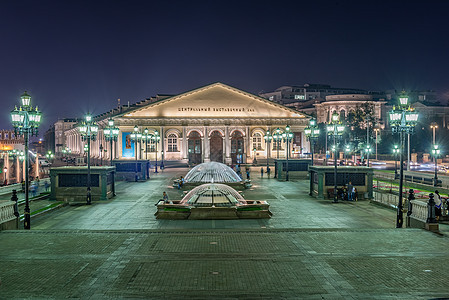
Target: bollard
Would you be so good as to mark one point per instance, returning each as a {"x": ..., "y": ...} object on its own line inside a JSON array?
[
  {"x": 16, "y": 205},
  {"x": 431, "y": 210},
  {"x": 411, "y": 196}
]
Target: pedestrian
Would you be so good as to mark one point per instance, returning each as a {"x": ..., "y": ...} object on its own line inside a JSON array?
[
  {"x": 355, "y": 196},
  {"x": 33, "y": 189},
  {"x": 261, "y": 172},
  {"x": 438, "y": 204},
  {"x": 350, "y": 191},
  {"x": 46, "y": 185},
  {"x": 247, "y": 174},
  {"x": 182, "y": 181},
  {"x": 165, "y": 198},
  {"x": 268, "y": 172}
]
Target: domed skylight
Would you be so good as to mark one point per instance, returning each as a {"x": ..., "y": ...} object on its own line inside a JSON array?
[{"x": 212, "y": 172}]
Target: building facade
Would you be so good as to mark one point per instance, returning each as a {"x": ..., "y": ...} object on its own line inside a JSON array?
[
  {"x": 301, "y": 94},
  {"x": 212, "y": 123}
]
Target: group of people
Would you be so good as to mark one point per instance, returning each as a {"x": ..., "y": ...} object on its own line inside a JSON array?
[
  {"x": 34, "y": 186},
  {"x": 347, "y": 192},
  {"x": 268, "y": 172},
  {"x": 180, "y": 182}
]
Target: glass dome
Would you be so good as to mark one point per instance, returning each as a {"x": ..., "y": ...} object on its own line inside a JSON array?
[
  {"x": 213, "y": 194},
  {"x": 212, "y": 172}
]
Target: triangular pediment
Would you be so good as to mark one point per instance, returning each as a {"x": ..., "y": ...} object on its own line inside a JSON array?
[{"x": 214, "y": 101}]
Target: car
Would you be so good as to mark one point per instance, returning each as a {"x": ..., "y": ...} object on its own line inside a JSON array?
[{"x": 44, "y": 163}]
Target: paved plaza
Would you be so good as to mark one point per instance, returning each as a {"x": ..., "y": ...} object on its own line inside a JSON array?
[{"x": 310, "y": 249}]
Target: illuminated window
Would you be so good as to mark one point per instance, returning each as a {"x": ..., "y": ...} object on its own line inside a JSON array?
[
  {"x": 172, "y": 143},
  {"x": 271, "y": 98},
  {"x": 300, "y": 97},
  {"x": 257, "y": 141}
]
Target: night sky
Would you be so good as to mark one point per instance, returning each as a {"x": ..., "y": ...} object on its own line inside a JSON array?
[{"x": 79, "y": 56}]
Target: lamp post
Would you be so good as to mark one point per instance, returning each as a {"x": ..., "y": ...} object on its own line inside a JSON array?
[
  {"x": 403, "y": 120},
  {"x": 146, "y": 136},
  {"x": 88, "y": 130},
  {"x": 434, "y": 126},
  {"x": 347, "y": 150},
  {"x": 277, "y": 138},
  {"x": 396, "y": 152},
  {"x": 26, "y": 120},
  {"x": 435, "y": 153},
  {"x": 66, "y": 151},
  {"x": 268, "y": 137},
  {"x": 111, "y": 134},
  {"x": 335, "y": 129},
  {"x": 49, "y": 155},
  {"x": 136, "y": 136},
  {"x": 376, "y": 130},
  {"x": 287, "y": 137},
  {"x": 156, "y": 139},
  {"x": 312, "y": 132},
  {"x": 255, "y": 159},
  {"x": 368, "y": 151}
]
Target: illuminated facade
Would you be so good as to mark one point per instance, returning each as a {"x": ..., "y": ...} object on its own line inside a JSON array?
[{"x": 212, "y": 123}]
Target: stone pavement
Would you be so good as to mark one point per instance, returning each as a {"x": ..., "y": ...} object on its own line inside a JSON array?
[{"x": 309, "y": 249}]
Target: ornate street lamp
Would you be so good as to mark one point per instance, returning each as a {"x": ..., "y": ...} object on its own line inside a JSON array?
[
  {"x": 368, "y": 150},
  {"x": 277, "y": 136},
  {"x": 66, "y": 151},
  {"x": 26, "y": 120},
  {"x": 312, "y": 133},
  {"x": 347, "y": 150},
  {"x": 49, "y": 156},
  {"x": 396, "y": 153},
  {"x": 156, "y": 139},
  {"x": 376, "y": 131},
  {"x": 146, "y": 136},
  {"x": 287, "y": 137},
  {"x": 435, "y": 152},
  {"x": 136, "y": 136},
  {"x": 268, "y": 137},
  {"x": 111, "y": 134},
  {"x": 403, "y": 120},
  {"x": 434, "y": 126},
  {"x": 88, "y": 130},
  {"x": 335, "y": 129}
]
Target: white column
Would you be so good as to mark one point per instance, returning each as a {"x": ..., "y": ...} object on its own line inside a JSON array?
[
  {"x": 162, "y": 143},
  {"x": 206, "y": 145},
  {"x": 17, "y": 169},
  {"x": 248, "y": 145},
  {"x": 184, "y": 147},
  {"x": 227, "y": 141}
]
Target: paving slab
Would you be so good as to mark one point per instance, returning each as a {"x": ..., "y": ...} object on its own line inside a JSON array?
[{"x": 309, "y": 249}]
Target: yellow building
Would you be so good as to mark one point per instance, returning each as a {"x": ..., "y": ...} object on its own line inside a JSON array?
[{"x": 216, "y": 122}]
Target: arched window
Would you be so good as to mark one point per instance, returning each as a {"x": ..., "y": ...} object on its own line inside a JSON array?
[
  {"x": 342, "y": 115},
  {"x": 172, "y": 143},
  {"x": 257, "y": 141}
]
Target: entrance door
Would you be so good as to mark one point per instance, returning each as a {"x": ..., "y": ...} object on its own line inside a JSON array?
[
  {"x": 237, "y": 147},
  {"x": 216, "y": 147},
  {"x": 195, "y": 148}
]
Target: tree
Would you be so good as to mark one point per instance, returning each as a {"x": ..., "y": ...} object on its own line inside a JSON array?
[{"x": 356, "y": 122}]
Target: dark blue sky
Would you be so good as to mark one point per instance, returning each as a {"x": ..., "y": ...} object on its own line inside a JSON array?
[{"x": 79, "y": 56}]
